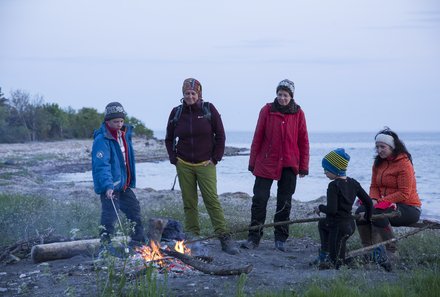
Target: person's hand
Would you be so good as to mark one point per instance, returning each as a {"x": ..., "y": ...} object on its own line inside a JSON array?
[
  {"x": 316, "y": 210},
  {"x": 109, "y": 194},
  {"x": 209, "y": 163},
  {"x": 302, "y": 175},
  {"x": 374, "y": 201},
  {"x": 251, "y": 168}
]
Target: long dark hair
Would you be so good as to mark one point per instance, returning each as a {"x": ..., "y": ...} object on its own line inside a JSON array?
[{"x": 398, "y": 144}]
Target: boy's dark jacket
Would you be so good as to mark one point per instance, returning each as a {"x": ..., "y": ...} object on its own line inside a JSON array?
[
  {"x": 341, "y": 194},
  {"x": 108, "y": 167}
]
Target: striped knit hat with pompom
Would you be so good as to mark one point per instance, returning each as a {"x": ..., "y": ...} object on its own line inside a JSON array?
[{"x": 336, "y": 162}]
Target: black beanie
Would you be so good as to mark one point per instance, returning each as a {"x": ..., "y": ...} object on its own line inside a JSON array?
[{"x": 114, "y": 110}]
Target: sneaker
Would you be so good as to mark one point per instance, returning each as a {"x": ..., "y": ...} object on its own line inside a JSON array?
[
  {"x": 380, "y": 257},
  {"x": 249, "y": 245},
  {"x": 279, "y": 245}
]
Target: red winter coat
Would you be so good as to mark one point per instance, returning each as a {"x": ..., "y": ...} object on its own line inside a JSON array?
[
  {"x": 394, "y": 181},
  {"x": 280, "y": 140}
]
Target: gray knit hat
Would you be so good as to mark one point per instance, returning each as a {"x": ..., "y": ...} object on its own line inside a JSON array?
[
  {"x": 286, "y": 85},
  {"x": 114, "y": 110}
]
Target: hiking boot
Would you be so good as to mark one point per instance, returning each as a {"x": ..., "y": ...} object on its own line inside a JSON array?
[
  {"x": 228, "y": 246},
  {"x": 279, "y": 245},
  {"x": 249, "y": 245}
]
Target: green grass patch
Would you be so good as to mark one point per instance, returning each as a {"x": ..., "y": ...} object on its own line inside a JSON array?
[{"x": 23, "y": 217}]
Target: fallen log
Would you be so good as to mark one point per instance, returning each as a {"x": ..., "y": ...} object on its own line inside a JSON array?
[
  {"x": 63, "y": 250},
  {"x": 68, "y": 249},
  {"x": 366, "y": 249},
  {"x": 209, "y": 268}
]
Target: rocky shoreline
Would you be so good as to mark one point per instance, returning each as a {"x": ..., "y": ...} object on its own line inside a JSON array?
[{"x": 29, "y": 169}]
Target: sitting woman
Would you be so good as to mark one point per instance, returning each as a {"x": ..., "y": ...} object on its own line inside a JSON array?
[{"x": 393, "y": 187}]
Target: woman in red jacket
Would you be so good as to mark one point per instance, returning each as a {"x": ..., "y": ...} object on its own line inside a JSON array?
[
  {"x": 279, "y": 151},
  {"x": 393, "y": 186}
]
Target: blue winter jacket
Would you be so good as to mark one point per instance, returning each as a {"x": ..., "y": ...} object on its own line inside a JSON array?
[{"x": 108, "y": 168}]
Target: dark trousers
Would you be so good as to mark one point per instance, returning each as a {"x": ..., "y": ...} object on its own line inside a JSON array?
[
  {"x": 127, "y": 202},
  {"x": 409, "y": 215},
  {"x": 334, "y": 235},
  {"x": 286, "y": 188}
]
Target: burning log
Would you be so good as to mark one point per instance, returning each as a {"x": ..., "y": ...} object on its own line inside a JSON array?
[{"x": 209, "y": 268}]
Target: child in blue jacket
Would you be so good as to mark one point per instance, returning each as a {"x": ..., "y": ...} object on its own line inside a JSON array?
[{"x": 114, "y": 175}]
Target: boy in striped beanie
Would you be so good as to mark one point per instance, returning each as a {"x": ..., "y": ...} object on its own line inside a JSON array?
[{"x": 338, "y": 225}]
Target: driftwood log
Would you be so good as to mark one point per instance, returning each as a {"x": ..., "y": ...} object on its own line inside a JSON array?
[
  {"x": 209, "y": 268},
  {"x": 63, "y": 250},
  {"x": 69, "y": 249}
]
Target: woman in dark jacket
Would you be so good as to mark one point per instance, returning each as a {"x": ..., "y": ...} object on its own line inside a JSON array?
[
  {"x": 195, "y": 142},
  {"x": 279, "y": 151}
]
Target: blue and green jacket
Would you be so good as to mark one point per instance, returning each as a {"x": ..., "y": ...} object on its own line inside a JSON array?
[{"x": 108, "y": 167}]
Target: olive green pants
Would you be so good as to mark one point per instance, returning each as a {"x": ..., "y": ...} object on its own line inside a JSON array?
[{"x": 206, "y": 178}]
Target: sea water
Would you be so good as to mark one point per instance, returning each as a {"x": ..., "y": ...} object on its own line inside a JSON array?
[{"x": 233, "y": 176}]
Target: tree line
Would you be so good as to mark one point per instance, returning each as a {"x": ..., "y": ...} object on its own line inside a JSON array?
[{"x": 25, "y": 118}]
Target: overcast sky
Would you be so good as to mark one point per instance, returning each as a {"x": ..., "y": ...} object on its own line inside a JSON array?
[{"x": 357, "y": 65}]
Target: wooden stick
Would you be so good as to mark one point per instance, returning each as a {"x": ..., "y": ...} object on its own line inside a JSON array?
[
  {"x": 363, "y": 250},
  {"x": 298, "y": 221}
]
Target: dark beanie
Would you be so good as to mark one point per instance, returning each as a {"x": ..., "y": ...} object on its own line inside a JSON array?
[
  {"x": 336, "y": 162},
  {"x": 114, "y": 110}
]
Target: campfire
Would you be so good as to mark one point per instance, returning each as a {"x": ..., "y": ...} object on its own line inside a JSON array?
[
  {"x": 153, "y": 254},
  {"x": 172, "y": 256}
]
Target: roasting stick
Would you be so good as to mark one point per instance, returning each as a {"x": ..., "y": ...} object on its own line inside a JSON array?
[
  {"x": 298, "y": 221},
  {"x": 122, "y": 228}
]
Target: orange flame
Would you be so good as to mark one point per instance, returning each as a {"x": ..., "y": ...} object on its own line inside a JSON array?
[
  {"x": 182, "y": 248},
  {"x": 151, "y": 252}
]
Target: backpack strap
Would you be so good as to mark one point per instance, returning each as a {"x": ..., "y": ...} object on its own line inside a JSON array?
[
  {"x": 207, "y": 110},
  {"x": 174, "y": 122},
  {"x": 177, "y": 114}
]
